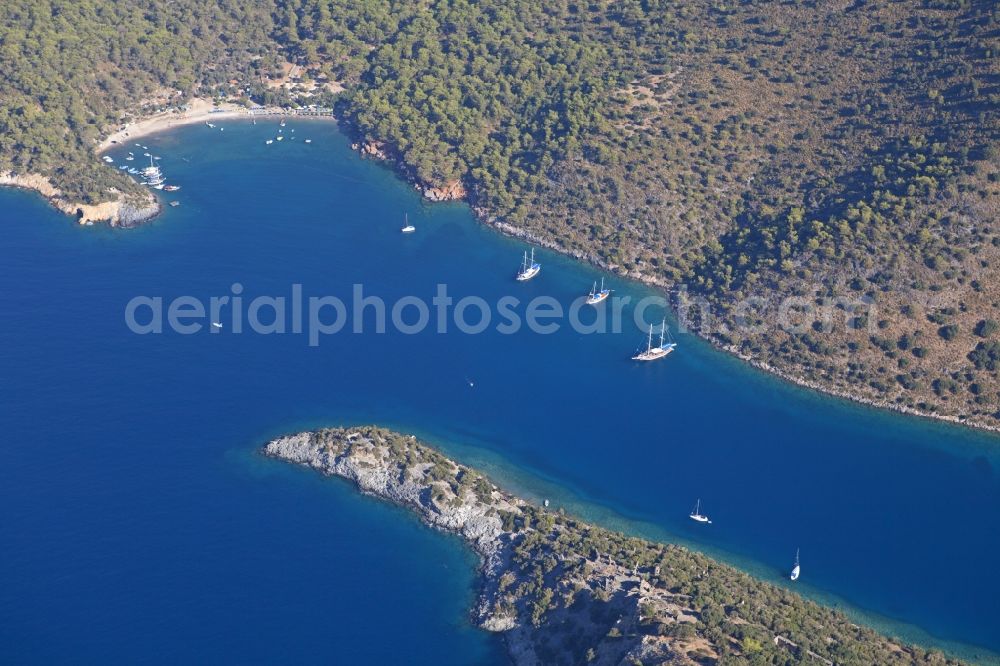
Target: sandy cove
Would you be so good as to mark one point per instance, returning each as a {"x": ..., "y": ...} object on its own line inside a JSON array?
[
  {"x": 198, "y": 111},
  {"x": 116, "y": 211}
]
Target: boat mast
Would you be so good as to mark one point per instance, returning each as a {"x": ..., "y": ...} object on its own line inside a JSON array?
[{"x": 649, "y": 343}]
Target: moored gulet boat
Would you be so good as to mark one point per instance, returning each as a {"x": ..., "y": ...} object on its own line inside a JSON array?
[
  {"x": 152, "y": 176},
  {"x": 529, "y": 268},
  {"x": 655, "y": 353},
  {"x": 596, "y": 296}
]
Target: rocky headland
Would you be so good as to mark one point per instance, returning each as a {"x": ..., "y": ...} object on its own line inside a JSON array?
[
  {"x": 119, "y": 211},
  {"x": 566, "y": 592}
]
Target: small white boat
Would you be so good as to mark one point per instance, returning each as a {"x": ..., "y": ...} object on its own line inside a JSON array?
[
  {"x": 138, "y": 145},
  {"x": 269, "y": 141},
  {"x": 108, "y": 159},
  {"x": 309, "y": 140},
  {"x": 216, "y": 324},
  {"x": 796, "y": 570},
  {"x": 129, "y": 158},
  {"x": 655, "y": 353},
  {"x": 210, "y": 125},
  {"x": 596, "y": 296},
  {"x": 280, "y": 138},
  {"x": 698, "y": 516},
  {"x": 407, "y": 227},
  {"x": 529, "y": 269}
]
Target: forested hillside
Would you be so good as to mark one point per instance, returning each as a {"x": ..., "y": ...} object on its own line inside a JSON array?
[
  {"x": 69, "y": 68},
  {"x": 751, "y": 149}
]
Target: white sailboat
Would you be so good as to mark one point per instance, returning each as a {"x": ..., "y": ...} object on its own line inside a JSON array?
[
  {"x": 796, "y": 570},
  {"x": 698, "y": 516},
  {"x": 596, "y": 296},
  {"x": 407, "y": 227},
  {"x": 529, "y": 269},
  {"x": 655, "y": 353}
]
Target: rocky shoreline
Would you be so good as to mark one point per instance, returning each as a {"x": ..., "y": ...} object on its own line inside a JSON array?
[
  {"x": 121, "y": 213},
  {"x": 118, "y": 212},
  {"x": 565, "y": 592},
  {"x": 378, "y": 150}
]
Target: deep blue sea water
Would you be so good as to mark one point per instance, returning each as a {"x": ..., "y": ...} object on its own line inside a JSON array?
[{"x": 138, "y": 523}]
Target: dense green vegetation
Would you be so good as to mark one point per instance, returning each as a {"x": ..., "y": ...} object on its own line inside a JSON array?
[
  {"x": 69, "y": 68},
  {"x": 754, "y": 149}
]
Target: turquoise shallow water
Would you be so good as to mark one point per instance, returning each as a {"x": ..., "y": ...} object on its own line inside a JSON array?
[{"x": 139, "y": 523}]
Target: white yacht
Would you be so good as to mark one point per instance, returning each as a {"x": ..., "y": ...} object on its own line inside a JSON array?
[
  {"x": 529, "y": 268},
  {"x": 407, "y": 227},
  {"x": 796, "y": 570},
  {"x": 655, "y": 353},
  {"x": 698, "y": 516}
]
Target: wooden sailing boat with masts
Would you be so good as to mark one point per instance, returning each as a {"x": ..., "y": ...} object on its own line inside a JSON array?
[
  {"x": 529, "y": 268},
  {"x": 655, "y": 353},
  {"x": 596, "y": 296}
]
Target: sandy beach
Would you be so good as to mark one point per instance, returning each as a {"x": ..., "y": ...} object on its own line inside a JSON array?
[{"x": 198, "y": 111}]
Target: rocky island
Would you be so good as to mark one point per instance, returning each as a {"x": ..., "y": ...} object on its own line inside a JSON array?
[{"x": 566, "y": 592}]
